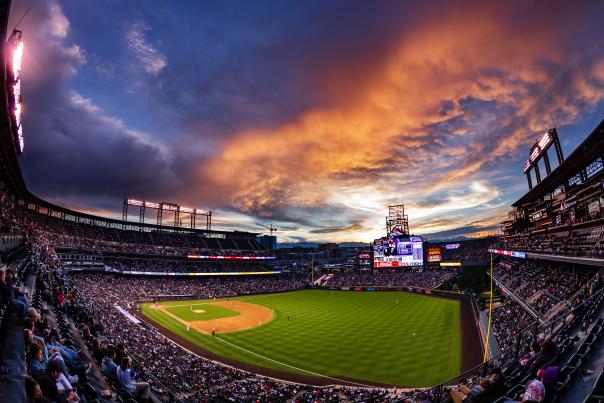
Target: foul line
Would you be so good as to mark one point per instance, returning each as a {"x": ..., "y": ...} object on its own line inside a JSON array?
[{"x": 267, "y": 358}]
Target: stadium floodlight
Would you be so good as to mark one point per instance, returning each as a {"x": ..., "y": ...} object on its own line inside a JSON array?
[
  {"x": 545, "y": 141},
  {"x": 165, "y": 206},
  {"x": 170, "y": 207},
  {"x": 17, "y": 58},
  {"x": 14, "y": 83},
  {"x": 135, "y": 202}
]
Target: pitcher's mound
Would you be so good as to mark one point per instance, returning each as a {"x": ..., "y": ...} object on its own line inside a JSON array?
[{"x": 198, "y": 311}]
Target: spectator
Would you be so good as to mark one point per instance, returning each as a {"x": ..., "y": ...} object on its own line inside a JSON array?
[
  {"x": 48, "y": 383},
  {"x": 549, "y": 377},
  {"x": 33, "y": 391},
  {"x": 535, "y": 392},
  {"x": 126, "y": 379},
  {"x": 546, "y": 357},
  {"x": 464, "y": 394},
  {"x": 108, "y": 364},
  {"x": 97, "y": 351},
  {"x": 497, "y": 386}
]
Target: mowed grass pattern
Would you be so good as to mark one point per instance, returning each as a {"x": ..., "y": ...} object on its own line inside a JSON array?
[{"x": 364, "y": 336}]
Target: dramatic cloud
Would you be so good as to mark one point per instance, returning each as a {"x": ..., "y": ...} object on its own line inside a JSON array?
[
  {"x": 75, "y": 152},
  {"x": 152, "y": 60},
  {"x": 313, "y": 116}
]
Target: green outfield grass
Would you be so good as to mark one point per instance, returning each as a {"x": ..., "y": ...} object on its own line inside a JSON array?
[{"x": 365, "y": 336}]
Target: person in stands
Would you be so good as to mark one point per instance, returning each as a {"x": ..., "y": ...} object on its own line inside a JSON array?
[
  {"x": 497, "y": 386},
  {"x": 10, "y": 295},
  {"x": 97, "y": 350},
  {"x": 549, "y": 377},
  {"x": 48, "y": 384},
  {"x": 464, "y": 394},
  {"x": 535, "y": 392},
  {"x": 33, "y": 391},
  {"x": 546, "y": 357},
  {"x": 126, "y": 379},
  {"x": 108, "y": 364}
]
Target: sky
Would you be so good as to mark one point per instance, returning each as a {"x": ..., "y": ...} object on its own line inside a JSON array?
[{"x": 312, "y": 116}]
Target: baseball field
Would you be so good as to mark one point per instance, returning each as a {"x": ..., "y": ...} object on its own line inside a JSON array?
[{"x": 359, "y": 338}]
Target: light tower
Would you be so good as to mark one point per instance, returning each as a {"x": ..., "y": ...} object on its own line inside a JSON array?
[{"x": 397, "y": 220}]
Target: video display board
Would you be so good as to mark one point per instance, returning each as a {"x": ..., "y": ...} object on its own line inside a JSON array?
[
  {"x": 395, "y": 251},
  {"x": 364, "y": 259},
  {"x": 434, "y": 254}
]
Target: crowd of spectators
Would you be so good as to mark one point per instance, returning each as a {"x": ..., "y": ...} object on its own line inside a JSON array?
[
  {"x": 84, "y": 236},
  {"x": 51, "y": 363},
  {"x": 508, "y": 322},
  {"x": 208, "y": 287},
  {"x": 471, "y": 250},
  {"x": 392, "y": 278},
  {"x": 569, "y": 241},
  {"x": 546, "y": 287},
  {"x": 183, "y": 266}
]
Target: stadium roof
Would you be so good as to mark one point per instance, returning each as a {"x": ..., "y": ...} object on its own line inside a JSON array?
[{"x": 584, "y": 154}]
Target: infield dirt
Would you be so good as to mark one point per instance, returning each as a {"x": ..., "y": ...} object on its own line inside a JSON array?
[{"x": 250, "y": 316}]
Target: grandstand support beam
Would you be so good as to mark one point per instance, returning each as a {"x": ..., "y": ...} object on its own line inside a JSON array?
[
  {"x": 530, "y": 182},
  {"x": 159, "y": 214},
  {"x": 557, "y": 146},
  {"x": 141, "y": 214},
  {"x": 537, "y": 173},
  {"x": 125, "y": 211},
  {"x": 548, "y": 168}
]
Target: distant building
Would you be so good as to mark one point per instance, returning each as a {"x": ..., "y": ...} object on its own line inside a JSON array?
[
  {"x": 331, "y": 249},
  {"x": 268, "y": 242}
]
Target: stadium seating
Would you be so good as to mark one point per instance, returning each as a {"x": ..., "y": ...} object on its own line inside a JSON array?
[
  {"x": 391, "y": 278},
  {"x": 80, "y": 309}
]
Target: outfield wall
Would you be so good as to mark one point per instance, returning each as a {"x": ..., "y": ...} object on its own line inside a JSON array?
[{"x": 416, "y": 290}]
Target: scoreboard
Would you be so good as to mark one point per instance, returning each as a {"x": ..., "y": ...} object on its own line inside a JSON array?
[{"x": 434, "y": 254}]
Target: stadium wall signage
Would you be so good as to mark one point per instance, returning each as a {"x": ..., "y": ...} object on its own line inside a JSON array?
[
  {"x": 511, "y": 253},
  {"x": 232, "y": 257},
  {"x": 238, "y": 273}
]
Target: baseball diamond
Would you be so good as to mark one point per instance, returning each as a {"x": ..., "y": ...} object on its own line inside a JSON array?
[{"x": 333, "y": 337}]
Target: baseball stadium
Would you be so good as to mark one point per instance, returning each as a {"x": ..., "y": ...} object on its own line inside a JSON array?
[{"x": 301, "y": 202}]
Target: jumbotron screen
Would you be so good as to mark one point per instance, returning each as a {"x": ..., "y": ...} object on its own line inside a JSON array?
[{"x": 398, "y": 252}]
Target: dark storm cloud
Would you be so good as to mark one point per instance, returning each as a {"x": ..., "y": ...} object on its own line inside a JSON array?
[
  {"x": 352, "y": 227},
  {"x": 73, "y": 149}
]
